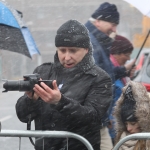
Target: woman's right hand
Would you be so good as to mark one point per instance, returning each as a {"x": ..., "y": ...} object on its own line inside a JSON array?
[{"x": 32, "y": 95}]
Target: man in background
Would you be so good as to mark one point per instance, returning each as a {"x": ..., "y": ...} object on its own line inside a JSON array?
[{"x": 101, "y": 24}]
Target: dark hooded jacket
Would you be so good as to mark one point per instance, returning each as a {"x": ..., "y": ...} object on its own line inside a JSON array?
[
  {"x": 141, "y": 112},
  {"x": 86, "y": 95}
]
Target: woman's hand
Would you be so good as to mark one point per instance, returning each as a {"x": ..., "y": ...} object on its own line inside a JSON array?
[
  {"x": 47, "y": 94},
  {"x": 32, "y": 95}
]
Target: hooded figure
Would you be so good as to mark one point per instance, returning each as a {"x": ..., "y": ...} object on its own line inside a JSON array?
[
  {"x": 132, "y": 115},
  {"x": 77, "y": 101}
]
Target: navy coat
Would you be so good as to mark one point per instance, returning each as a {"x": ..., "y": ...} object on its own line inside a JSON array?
[{"x": 101, "y": 46}]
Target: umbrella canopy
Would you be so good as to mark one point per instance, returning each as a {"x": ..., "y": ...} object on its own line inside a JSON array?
[
  {"x": 142, "y": 5},
  {"x": 14, "y": 35}
]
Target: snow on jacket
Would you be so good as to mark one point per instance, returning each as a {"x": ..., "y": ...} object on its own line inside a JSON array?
[{"x": 86, "y": 96}]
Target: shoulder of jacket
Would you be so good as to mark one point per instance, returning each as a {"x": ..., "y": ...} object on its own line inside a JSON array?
[
  {"x": 47, "y": 64},
  {"x": 44, "y": 66},
  {"x": 97, "y": 71}
]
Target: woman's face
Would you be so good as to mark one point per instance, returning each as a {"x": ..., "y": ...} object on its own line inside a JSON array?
[
  {"x": 105, "y": 26},
  {"x": 71, "y": 56},
  {"x": 132, "y": 127},
  {"x": 122, "y": 58}
]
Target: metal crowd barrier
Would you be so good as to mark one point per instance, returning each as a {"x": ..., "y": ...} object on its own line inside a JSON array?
[
  {"x": 131, "y": 137},
  {"x": 54, "y": 134}
]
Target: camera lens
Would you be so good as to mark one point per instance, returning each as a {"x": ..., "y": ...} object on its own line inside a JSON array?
[{"x": 17, "y": 85}]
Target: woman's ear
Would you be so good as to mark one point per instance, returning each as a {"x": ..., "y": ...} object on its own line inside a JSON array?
[
  {"x": 87, "y": 50},
  {"x": 96, "y": 23}
]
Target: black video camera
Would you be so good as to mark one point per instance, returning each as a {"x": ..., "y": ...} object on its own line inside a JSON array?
[{"x": 25, "y": 85}]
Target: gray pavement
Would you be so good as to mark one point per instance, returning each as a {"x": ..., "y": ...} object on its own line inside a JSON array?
[{"x": 10, "y": 121}]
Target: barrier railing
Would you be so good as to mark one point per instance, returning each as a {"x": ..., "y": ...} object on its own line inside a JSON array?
[
  {"x": 54, "y": 134},
  {"x": 131, "y": 137}
]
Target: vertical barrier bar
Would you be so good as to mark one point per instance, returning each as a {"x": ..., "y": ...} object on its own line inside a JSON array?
[
  {"x": 67, "y": 143},
  {"x": 19, "y": 143}
]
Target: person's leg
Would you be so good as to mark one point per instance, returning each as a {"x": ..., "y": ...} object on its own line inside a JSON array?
[
  {"x": 106, "y": 142},
  {"x": 111, "y": 130}
]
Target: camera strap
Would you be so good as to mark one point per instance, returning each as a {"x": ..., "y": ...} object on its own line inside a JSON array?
[
  {"x": 29, "y": 128},
  {"x": 30, "y": 115},
  {"x": 29, "y": 124}
]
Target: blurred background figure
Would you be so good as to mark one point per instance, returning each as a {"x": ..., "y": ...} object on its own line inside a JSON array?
[
  {"x": 132, "y": 115},
  {"x": 120, "y": 53},
  {"x": 102, "y": 23}
]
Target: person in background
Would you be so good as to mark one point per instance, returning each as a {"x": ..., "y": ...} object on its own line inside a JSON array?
[
  {"x": 132, "y": 115},
  {"x": 101, "y": 24},
  {"x": 120, "y": 53},
  {"x": 80, "y": 96}
]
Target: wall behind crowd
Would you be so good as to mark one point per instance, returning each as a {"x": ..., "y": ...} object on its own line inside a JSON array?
[{"x": 43, "y": 18}]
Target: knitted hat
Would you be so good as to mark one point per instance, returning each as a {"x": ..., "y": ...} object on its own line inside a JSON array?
[
  {"x": 107, "y": 12},
  {"x": 121, "y": 45},
  {"x": 72, "y": 34},
  {"x": 128, "y": 106}
]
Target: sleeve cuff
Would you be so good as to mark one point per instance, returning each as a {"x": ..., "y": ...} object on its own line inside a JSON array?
[{"x": 63, "y": 102}]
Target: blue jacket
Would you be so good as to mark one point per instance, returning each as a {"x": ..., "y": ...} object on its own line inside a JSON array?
[
  {"x": 101, "y": 52},
  {"x": 101, "y": 45},
  {"x": 118, "y": 90}
]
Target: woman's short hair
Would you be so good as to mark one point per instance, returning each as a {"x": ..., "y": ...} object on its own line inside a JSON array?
[{"x": 121, "y": 45}]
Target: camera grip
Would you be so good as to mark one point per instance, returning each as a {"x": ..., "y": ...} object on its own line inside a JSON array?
[{"x": 47, "y": 82}]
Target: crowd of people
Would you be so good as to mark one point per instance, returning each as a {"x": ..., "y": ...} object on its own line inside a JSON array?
[{"x": 92, "y": 93}]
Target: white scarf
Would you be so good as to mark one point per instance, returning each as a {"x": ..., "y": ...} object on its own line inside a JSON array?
[{"x": 129, "y": 145}]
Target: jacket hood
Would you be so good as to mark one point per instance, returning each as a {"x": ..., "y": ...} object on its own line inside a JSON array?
[{"x": 142, "y": 108}]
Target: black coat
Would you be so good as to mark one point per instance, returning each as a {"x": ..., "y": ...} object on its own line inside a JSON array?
[{"x": 86, "y": 96}]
